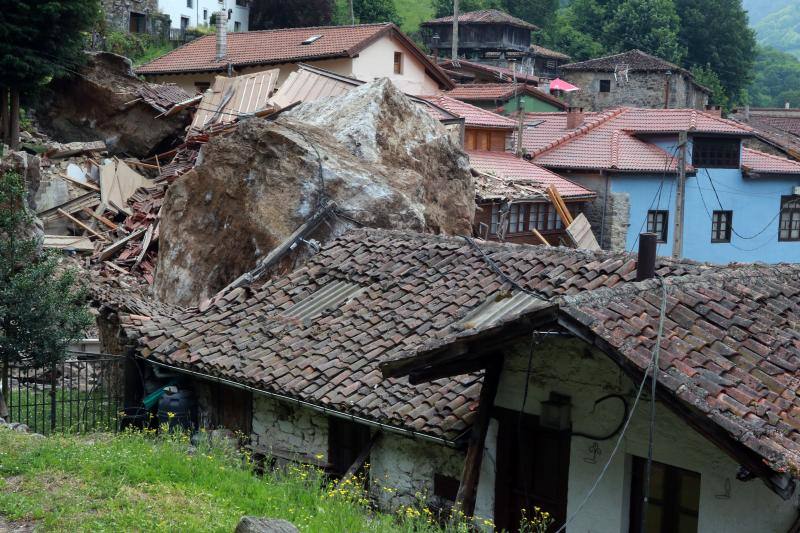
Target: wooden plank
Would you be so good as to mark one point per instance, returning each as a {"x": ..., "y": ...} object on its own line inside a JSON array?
[
  {"x": 465, "y": 499},
  {"x": 580, "y": 231},
  {"x": 82, "y": 225},
  {"x": 118, "y": 268},
  {"x": 90, "y": 199},
  {"x": 539, "y": 236},
  {"x": 148, "y": 236},
  {"x": 362, "y": 458},
  {"x": 68, "y": 242},
  {"x": 99, "y": 218},
  {"x": 117, "y": 246},
  {"x": 555, "y": 199},
  {"x": 84, "y": 184}
]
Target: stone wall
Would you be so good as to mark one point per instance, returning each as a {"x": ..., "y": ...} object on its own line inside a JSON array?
[
  {"x": 289, "y": 428},
  {"x": 118, "y": 16},
  {"x": 402, "y": 467},
  {"x": 642, "y": 89}
]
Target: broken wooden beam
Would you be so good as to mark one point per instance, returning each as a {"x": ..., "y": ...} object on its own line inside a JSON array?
[
  {"x": 81, "y": 224},
  {"x": 540, "y": 237},
  {"x": 361, "y": 458},
  {"x": 100, "y": 218},
  {"x": 76, "y": 148},
  {"x": 119, "y": 245},
  {"x": 83, "y": 184},
  {"x": 148, "y": 236},
  {"x": 467, "y": 489}
]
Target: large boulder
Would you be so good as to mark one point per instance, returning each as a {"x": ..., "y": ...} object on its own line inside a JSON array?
[
  {"x": 103, "y": 101},
  {"x": 383, "y": 161},
  {"x": 253, "y": 524}
]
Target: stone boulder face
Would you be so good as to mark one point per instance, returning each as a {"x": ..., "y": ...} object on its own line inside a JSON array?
[
  {"x": 383, "y": 161},
  {"x": 102, "y": 103}
]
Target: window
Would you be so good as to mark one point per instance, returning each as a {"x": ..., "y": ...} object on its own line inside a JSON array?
[
  {"x": 237, "y": 26},
  {"x": 189, "y": 3},
  {"x": 715, "y": 153},
  {"x": 205, "y": 14},
  {"x": 312, "y": 39},
  {"x": 721, "y": 226},
  {"x": 138, "y": 23},
  {"x": 495, "y": 226},
  {"x": 657, "y": 223},
  {"x": 398, "y": 62},
  {"x": 242, "y": 3},
  {"x": 543, "y": 217},
  {"x": 605, "y": 86},
  {"x": 789, "y": 229},
  {"x": 550, "y": 63},
  {"x": 516, "y": 218},
  {"x": 673, "y": 501}
]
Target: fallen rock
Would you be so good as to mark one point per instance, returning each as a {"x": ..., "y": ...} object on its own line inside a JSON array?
[
  {"x": 104, "y": 102},
  {"x": 384, "y": 162},
  {"x": 253, "y": 524}
]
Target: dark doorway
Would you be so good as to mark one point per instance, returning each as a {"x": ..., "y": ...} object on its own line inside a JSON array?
[
  {"x": 138, "y": 23},
  {"x": 346, "y": 440},
  {"x": 673, "y": 502},
  {"x": 532, "y": 469}
]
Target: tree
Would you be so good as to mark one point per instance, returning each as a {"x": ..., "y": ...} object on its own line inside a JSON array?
[
  {"x": 39, "y": 40},
  {"x": 775, "y": 80},
  {"x": 729, "y": 49},
  {"x": 42, "y": 307},
  {"x": 369, "y": 11},
  {"x": 648, "y": 25},
  {"x": 562, "y": 35},
  {"x": 706, "y": 77},
  {"x": 444, "y": 8},
  {"x": 268, "y": 14}
]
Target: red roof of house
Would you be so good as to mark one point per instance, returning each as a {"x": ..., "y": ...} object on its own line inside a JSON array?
[
  {"x": 500, "y": 91},
  {"x": 546, "y": 52},
  {"x": 484, "y": 16},
  {"x": 270, "y": 47},
  {"x": 763, "y": 163},
  {"x": 472, "y": 115},
  {"x": 502, "y": 74},
  {"x": 509, "y": 168},
  {"x": 609, "y": 140}
]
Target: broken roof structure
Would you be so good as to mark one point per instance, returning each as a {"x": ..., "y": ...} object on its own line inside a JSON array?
[
  {"x": 779, "y": 128},
  {"x": 415, "y": 308},
  {"x": 492, "y": 92},
  {"x": 501, "y": 74}
]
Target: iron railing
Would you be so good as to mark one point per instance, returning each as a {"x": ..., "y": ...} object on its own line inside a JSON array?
[{"x": 80, "y": 394}]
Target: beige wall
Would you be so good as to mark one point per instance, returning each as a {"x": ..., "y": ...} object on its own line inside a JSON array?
[{"x": 377, "y": 61}]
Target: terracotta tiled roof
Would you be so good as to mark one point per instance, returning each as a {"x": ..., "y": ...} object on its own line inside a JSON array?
[
  {"x": 500, "y": 91},
  {"x": 778, "y": 127},
  {"x": 763, "y": 163},
  {"x": 730, "y": 350},
  {"x": 484, "y": 16},
  {"x": 472, "y": 115},
  {"x": 609, "y": 140},
  {"x": 509, "y": 168},
  {"x": 502, "y": 74},
  {"x": 546, "y": 52},
  {"x": 542, "y": 129},
  {"x": 271, "y": 47},
  {"x": 398, "y": 291}
]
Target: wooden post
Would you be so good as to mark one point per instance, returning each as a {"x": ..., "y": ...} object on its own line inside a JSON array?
[
  {"x": 680, "y": 198},
  {"x": 465, "y": 498},
  {"x": 454, "y": 41},
  {"x": 53, "y": 384},
  {"x": 14, "y": 127},
  {"x": 5, "y": 123},
  {"x": 361, "y": 459},
  {"x": 4, "y": 389}
]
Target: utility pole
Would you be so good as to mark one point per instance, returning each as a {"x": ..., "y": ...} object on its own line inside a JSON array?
[
  {"x": 454, "y": 52},
  {"x": 518, "y": 103},
  {"x": 352, "y": 14},
  {"x": 680, "y": 198}
]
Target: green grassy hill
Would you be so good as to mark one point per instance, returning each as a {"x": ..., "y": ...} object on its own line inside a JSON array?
[
  {"x": 781, "y": 29},
  {"x": 413, "y": 12}
]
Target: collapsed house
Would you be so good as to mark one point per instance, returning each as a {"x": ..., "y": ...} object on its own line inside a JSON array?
[{"x": 411, "y": 351}]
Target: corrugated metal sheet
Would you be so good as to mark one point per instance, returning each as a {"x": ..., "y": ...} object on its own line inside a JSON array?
[
  {"x": 308, "y": 84},
  {"x": 499, "y": 307},
  {"x": 328, "y": 297},
  {"x": 231, "y": 98}
]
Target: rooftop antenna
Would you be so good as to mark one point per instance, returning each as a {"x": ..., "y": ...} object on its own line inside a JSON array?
[{"x": 621, "y": 71}]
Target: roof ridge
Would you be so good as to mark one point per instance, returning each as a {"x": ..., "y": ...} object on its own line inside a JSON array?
[
  {"x": 615, "y": 149},
  {"x": 597, "y": 121},
  {"x": 726, "y": 121}
]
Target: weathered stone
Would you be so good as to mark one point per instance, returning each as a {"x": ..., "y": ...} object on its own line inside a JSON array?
[
  {"x": 101, "y": 103},
  {"x": 252, "y": 524},
  {"x": 385, "y": 163}
]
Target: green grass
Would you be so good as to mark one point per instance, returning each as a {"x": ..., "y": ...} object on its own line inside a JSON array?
[
  {"x": 141, "y": 482},
  {"x": 413, "y": 12}
]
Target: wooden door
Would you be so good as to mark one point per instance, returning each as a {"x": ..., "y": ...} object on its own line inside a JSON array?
[{"x": 532, "y": 470}]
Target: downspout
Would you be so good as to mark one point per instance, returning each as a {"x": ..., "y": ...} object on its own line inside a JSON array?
[
  {"x": 605, "y": 207},
  {"x": 314, "y": 407}
]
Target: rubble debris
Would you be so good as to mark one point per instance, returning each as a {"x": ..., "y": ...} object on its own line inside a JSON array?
[
  {"x": 68, "y": 243},
  {"x": 75, "y": 148},
  {"x": 383, "y": 160},
  {"x": 118, "y": 182},
  {"x": 106, "y": 101}
]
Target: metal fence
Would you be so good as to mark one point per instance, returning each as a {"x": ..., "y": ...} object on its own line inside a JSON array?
[{"x": 82, "y": 393}]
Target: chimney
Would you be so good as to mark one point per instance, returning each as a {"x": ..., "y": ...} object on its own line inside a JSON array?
[
  {"x": 747, "y": 112},
  {"x": 222, "y": 34},
  {"x": 436, "y": 47},
  {"x": 574, "y": 117},
  {"x": 786, "y": 105},
  {"x": 714, "y": 110},
  {"x": 646, "y": 261}
]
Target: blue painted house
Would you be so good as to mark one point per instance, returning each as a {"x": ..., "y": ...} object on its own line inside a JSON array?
[{"x": 741, "y": 205}]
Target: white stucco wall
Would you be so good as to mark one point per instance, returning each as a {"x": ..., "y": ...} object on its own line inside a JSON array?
[
  {"x": 401, "y": 467},
  {"x": 285, "y": 427},
  {"x": 179, "y": 8},
  {"x": 377, "y": 61},
  {"x": 570, "y": 368}
]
